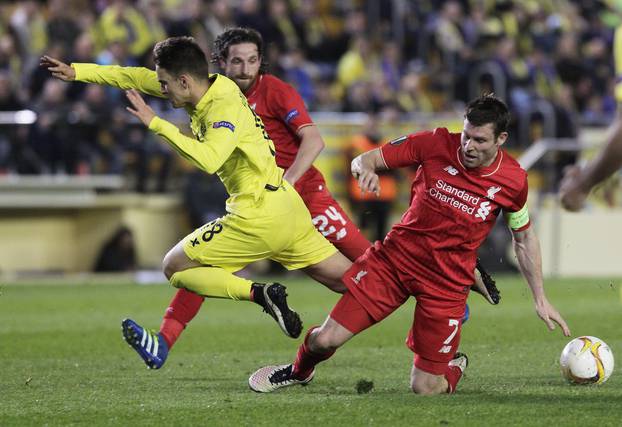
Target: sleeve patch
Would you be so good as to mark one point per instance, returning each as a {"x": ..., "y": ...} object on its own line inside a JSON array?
[
  {"x": 291, "y": 115},
  {"x": 399, "y": 140},
  {"x": 517, "y": 220},
  {"x": 224, "y": 124}
]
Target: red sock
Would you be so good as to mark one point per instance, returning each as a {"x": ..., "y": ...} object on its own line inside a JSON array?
[
  {"x": 307, "y": 359},
  {"x": 452, "y": 375},
  {"x": 184, "y": 306}
]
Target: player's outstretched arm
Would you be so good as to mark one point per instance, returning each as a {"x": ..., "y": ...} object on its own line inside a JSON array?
[
  {"x": 527, "y": 249},
  {"x": 59, "y": 69},
  {"x": 140, "y": 78},
  {"x": 578, "y": 182}
]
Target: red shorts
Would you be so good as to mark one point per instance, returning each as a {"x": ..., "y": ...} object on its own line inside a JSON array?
[
  {"x": 373, "y": 283},
  {"x": 334, "y": 224}
]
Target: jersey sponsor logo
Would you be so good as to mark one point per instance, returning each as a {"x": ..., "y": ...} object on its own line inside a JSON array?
[
  {"x": 492, "y": 191},
  {"x": 224, "y": 124},
  {"x": 461, "y": 200},
  {"x": 450, "y": 190},
  {"x": 451, "y": 170},
  {"x": 399, "y": 140},
  {"x": 291, "y": 114},
  {"x": 359, "y": 276}
]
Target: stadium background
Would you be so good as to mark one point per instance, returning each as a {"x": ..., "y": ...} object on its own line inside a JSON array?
[{"x": 75, "y": 167}]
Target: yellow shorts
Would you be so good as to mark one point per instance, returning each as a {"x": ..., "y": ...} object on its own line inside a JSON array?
[{"x": 279, "y": 227}]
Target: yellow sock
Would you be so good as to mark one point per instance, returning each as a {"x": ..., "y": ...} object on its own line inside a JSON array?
[{"x": 213, "y": 282}]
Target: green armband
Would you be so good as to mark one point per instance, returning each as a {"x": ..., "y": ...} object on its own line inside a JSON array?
[{"x": 518, "y": 219}]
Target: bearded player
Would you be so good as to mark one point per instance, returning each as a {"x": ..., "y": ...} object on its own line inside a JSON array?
[{"x": 239, "y": 53}]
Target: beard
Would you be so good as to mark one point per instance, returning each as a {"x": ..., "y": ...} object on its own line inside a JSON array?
[{"x": 244, "y": 81}]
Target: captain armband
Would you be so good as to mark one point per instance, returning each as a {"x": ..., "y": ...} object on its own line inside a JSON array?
[{"x": 519, "y": 219}]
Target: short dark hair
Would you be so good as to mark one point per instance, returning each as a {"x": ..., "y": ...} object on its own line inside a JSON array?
[
  {"x": 233, "y": 36},
  {"x": 488, "y": 109},
  {"x": 179, "y": 55}
]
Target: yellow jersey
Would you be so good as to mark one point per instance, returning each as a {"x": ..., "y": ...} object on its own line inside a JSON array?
[{"x": 229, "y": 138}]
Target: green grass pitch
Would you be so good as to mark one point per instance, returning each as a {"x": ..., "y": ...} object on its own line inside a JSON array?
[{"x": 63, "y": 362}]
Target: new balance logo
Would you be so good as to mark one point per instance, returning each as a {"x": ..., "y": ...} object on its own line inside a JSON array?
[
  {"x": 253, "y": 105},
  {"x": 492, "y": 191},
  {"x": 445, "y": 349},
  {"x": 359, "y": 276},
  {"x": 451, "y": 170}
]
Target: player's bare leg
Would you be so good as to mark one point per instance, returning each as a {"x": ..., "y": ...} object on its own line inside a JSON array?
[
  {"x": 216, "y": 282},
  {"x": 204, "y": 281},
  {"x": 426, "y": 383},
  {"x": 328, "y": 337},
  {"x": 176, "y": 260},
  {"x": 422, "y": 382},
  {"x": 329, "y": 271}
]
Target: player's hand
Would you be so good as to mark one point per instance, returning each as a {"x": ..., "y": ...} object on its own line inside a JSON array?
[
  {"x": 59, "y": 69},
  {"x": 572, "y": 192},
  {"x": 368, "y": 180},
  {"x": 550, "y": 316},
  {"x": 141, "y": 110}
]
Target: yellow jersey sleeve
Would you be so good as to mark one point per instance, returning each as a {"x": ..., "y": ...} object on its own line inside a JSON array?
[
  {"x": 140, "y": 78},
  {"x": 215, "y": 140},
  {"x": 617, "y": 56}
]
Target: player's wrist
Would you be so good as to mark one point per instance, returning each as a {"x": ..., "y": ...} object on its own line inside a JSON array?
[
  {"x": 153, "y": 123},
  {"x": 539, "y": 298}
]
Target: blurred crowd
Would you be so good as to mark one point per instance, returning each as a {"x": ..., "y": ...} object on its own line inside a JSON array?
[{"x": 550, "y": 60}]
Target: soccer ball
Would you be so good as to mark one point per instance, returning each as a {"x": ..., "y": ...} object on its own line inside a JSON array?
[{"x": 586, "y": 360}]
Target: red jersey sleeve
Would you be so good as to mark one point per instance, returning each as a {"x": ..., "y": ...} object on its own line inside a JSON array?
[
  {"x": 409, "y": 150},
  {"x": 521, "y": 197},
  {"x": 285, "y": 103}
]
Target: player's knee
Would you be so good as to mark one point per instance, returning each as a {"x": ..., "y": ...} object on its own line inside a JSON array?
[
  {"x": 167, "y": 267},
  {"x": 170, "y": 265},
  {"x": 426, "y": 385},
  {"x": 419, "y": 387},
  {"x": 424, "y": 388}
]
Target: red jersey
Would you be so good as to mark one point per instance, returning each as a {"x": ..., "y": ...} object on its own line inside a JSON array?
[
  {"x": 452, "y": 208},
  {"x": 283, "y": 113}
]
